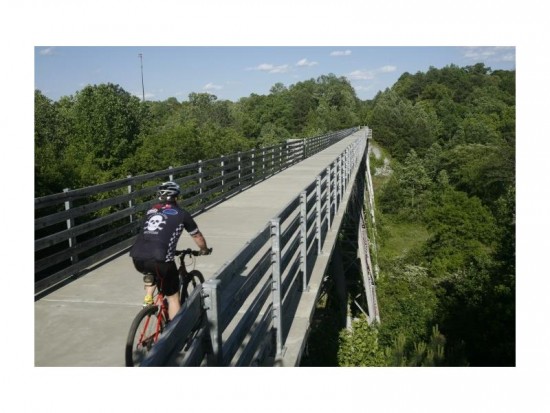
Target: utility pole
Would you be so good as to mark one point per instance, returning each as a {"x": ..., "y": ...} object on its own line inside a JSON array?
[{"x": 142, "y": 86}]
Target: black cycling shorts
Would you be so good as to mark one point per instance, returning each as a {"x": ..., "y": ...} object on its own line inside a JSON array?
[{"x": 166, "y": 274}]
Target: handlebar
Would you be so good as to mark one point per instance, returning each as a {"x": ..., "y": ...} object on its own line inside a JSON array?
[{"x": 190, "y": 252}]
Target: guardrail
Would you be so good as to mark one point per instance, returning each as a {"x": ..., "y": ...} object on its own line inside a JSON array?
[
  {"x": 250, "y": 301},
  {"x": 79, "y": 228}
]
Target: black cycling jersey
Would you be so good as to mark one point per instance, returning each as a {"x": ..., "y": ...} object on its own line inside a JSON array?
[{"x": 161, "y": 230}]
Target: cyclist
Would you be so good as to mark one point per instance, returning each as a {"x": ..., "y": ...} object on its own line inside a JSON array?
[{"x": 154, "y": 249}]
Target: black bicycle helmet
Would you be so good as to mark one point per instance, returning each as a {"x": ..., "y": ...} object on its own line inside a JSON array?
[{"x": 168, "y": 191}]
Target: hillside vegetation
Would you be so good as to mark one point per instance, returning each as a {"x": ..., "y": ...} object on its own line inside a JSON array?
[{"x": 446, "y": 218}]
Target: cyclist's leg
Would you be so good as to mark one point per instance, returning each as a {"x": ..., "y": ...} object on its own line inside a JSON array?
[
  {"x": 173, "y": 304},
  {"x": 149, "y": 288},
  {"x": 168, "y": 273},
  {"x": 147, "y": 269}
]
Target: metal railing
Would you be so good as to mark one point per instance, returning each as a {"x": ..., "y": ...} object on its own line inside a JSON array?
[
  {"x": 250, "y": 302},
  {"x": 79, "y": 228}
]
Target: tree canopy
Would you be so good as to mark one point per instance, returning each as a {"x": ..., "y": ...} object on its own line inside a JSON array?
[
  {"x": 104, "y": 133},
  {"x": 451, "y": 135}
]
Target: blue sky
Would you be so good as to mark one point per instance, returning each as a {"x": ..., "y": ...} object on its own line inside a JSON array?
[{"x": 232, "y": 72}]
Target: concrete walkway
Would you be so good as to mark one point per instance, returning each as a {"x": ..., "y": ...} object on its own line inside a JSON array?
[{"x": 86, "y": 322}]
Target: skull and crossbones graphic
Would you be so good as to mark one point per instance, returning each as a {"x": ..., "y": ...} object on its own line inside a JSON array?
[{"x": 154, "y": 223}]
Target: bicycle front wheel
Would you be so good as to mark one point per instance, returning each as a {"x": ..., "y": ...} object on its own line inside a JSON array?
[
  {"x": 144, "y": 333},
  {"x": 189, "y": 282}
]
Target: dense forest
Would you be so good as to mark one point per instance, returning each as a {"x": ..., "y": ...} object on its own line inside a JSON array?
[
  {"x": 446, "y": 222},
  {"x": 445, "y": 215},
  {"x": 103, "y": 133}
]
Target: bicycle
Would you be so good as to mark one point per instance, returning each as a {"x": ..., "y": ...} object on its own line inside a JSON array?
[{"x": 151, "y": 321}]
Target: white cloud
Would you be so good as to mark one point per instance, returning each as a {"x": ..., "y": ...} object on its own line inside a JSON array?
[
  {"x": 305, "y": 63},
  {"x": 280, "y": 69},
  {"x": 387, "y": 69},
  {"x": 490, "y": 54},
  {"x": 264, "y": 67},
  {"x": 212, "y": 86},
  {"x": 361, "y": 75},
  {"x": 267, "y": 67},
  {"x": 48, "y": 51},
  {"x": 341, "y": 53},
  {"x": 370, "y": 74}
]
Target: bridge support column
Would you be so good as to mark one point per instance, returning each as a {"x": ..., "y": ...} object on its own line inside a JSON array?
[{"x": 340, "y": 285}]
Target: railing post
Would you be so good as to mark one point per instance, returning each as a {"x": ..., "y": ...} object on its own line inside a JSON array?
[
  {"x": 171, "y": 175},
  {"x": 130, "y": 201},
  {"x": 211, "y": 297},
  {"x": 335, "y": 186},
  {"x": 222, "y": 165},
  {"x": 200, "y": 178},
  {"x": 276, "y": 283},
  {"x": 329, "y": 207},
  {"x": 253, "y": 169},
  {"x": 346, "y": 167},
  {"x": 318, "y": 208},
  {"x": 340, "y": 177},
  {"x": 70, "y": 224},
  {"x": 351, "y": 160},
  {"x": 303, "y": 239},
  {"x": 239, "y": 165}
]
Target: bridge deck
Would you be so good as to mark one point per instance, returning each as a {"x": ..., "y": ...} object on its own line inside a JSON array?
[{"x": 85, "y": 323}]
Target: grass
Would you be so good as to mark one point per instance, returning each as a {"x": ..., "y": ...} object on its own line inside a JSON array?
[{"x": 400, "y": 238}]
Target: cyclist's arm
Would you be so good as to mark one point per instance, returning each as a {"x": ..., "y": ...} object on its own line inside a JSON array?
[
  {"x": 193, "y": 230},
  {"x": 200, "y": 241}
]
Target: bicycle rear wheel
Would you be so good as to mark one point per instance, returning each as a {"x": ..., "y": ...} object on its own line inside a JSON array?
[
  {"x": 189, "y": 282},
  {"x": 144, "y": 332}
]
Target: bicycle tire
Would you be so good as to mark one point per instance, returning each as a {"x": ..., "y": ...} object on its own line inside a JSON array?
[
  {"x": 145, "y": 322},
  {"x": 189, "y": 282}
]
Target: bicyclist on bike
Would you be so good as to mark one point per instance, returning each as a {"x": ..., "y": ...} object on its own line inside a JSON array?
[{"x": 154, "y": 249}]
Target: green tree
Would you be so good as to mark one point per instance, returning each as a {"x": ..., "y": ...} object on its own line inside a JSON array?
[
  {"x": 462, "y": 231},
  {"x": 359, "y": 347},
  {"x": 50, "y": 169},
  {"x": 402, "y": 126},
  {"x": 171, "y": 145},
  {"x": 413, "y": 178},
  {"x": 482, "y": 170},
  {"x": 206, "y": 110},
  {"x": 107, "y": 122},
  {"x": 272, "y": 135},
  {"x": 420, "y": 354},
  {"x": 407, "y": 297}
]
